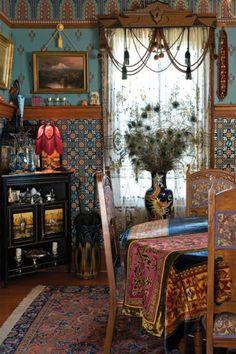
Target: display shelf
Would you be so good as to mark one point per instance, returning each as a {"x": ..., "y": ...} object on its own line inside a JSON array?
[
  {"x": 7, "y": 110},
  {"x": 62, "y": 112}
]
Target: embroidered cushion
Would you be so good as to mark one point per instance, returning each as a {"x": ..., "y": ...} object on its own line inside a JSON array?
[{"x": 225, "y": 324}]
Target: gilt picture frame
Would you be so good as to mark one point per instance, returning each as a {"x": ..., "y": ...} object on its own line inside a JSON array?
[
  {"x": 6, "y": 60},
  {"x": 60, "y": 72}
]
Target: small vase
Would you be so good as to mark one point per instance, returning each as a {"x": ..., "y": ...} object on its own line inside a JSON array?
[
  {"x": 158, "y": 198},
  {"x": 21, "y": 104}
]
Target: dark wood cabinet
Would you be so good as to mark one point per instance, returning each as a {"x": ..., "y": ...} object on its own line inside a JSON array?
[{"x": 35, "y": 222}]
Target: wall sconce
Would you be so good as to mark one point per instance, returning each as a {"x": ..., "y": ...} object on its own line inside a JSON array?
[{"x": 49, "y": 146}]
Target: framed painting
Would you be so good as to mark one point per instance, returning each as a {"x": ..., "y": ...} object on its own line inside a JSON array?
[
  {"x": 57, "y": 72},
  {"x": 54, "y": 220},
  {"x": 6, "y": 59},
  {"x": 22, "y": 224}
]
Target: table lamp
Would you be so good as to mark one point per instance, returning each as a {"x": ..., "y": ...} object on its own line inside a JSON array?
[{"x": 49, "y": 145}]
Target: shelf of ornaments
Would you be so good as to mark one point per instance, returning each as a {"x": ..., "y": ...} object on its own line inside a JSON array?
[
  {"x": 62, "y": 112},
  {"x": 7, "y": 110}
]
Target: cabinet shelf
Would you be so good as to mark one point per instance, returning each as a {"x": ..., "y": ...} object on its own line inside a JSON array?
[
  {"x": 62, "y": 112},
  {"x": 29, "y": 269}
]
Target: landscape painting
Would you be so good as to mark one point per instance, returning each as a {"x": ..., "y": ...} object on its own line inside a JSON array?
[
  {"x": 54, "y": 220},
  {"x": 56, "y": 72},
  {"x": 22, "y": 221}
]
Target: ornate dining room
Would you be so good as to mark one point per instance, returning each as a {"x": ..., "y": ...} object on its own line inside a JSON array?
[{"x": 117, "y": 176}]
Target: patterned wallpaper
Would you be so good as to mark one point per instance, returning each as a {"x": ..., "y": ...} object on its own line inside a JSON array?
[
  {"x": 31, "y": 39},
  {"x": 83, "y": 138},
  {"x": 88, "y": 10}
]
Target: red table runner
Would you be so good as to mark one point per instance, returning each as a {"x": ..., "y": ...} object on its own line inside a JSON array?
[{"x": 148, "y": 266}]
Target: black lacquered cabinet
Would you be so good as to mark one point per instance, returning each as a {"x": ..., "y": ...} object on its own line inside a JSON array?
[{"x": 35, "y": 224}]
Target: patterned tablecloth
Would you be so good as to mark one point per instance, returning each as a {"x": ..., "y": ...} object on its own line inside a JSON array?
[{"x": 159, "y": 293}]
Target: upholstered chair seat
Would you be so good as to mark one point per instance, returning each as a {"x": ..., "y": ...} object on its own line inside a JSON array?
[{"x": 225, "y": 324}]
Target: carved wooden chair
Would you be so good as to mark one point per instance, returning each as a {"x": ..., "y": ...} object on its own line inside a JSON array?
[
  {"x": 197, "y": 187},
  {"x": 221, "y": 318},
  {"x": 112, "y": 250}
]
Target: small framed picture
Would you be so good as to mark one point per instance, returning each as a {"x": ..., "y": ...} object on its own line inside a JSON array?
[
  {"x": 94, "y": 99},
  {"x": 54, "y": 220},
  {"x": 22, "y": 224}
]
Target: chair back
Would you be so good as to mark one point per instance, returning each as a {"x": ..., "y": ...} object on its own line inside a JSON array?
[
  {"x": 111, "y": 247},
  {"x": 221, "y": 312},
  {"x": 197, "y": 187}
]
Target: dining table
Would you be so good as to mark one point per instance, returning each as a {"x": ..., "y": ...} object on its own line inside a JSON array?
[{"x": 166, "y": 276}]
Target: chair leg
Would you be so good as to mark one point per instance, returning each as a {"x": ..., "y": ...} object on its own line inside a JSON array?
[
  {"x": 198, "y": 340},
  {"x": 182, "y": 346},
  {"x": 109, "y": 331}
]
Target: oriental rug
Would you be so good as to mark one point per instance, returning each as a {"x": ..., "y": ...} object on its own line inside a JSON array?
[{"x": 71, "y": 320}]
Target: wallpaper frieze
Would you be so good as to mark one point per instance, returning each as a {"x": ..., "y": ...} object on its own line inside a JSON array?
[{"x": 81, "y": 10}]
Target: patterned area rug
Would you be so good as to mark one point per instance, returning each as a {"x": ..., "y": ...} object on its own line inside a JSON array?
[{"x": 71, "y": 320}]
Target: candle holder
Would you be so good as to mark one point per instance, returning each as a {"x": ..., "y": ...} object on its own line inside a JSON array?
[
  {"x": 35, "y": 255},
  {"x": 18, "y": 259},
  {"x": 54, "y": 252}
]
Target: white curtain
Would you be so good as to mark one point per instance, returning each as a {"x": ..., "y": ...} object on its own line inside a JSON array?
[{"x": 127, "y": 98}]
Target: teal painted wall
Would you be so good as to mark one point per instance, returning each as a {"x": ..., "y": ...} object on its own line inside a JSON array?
[{"x": 29, "y": 40}]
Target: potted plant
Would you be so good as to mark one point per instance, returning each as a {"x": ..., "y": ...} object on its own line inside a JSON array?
[{"x": 155, "y": 144}]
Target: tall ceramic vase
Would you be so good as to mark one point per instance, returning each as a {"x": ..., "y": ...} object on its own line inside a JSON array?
[
  {"x": 158, "y": 198},
  {"x": 21, "y": 104}
]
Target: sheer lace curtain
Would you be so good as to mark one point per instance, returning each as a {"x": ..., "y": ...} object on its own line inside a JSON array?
[{"x": 152, "y": 85}]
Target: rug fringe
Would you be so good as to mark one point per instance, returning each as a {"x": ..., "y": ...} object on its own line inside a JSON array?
[{"x": 19, "y": 310}]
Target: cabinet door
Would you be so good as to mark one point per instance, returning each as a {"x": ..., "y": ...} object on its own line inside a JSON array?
[
  {"x": 22, "y": 225},
  {"x": 54, "y": 220}
]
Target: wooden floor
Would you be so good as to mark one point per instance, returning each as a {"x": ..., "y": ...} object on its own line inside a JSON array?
[{"x": 19, "y": 287}]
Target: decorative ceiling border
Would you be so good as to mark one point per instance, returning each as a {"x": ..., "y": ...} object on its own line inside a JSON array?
[{"x": 47, "y": 24}]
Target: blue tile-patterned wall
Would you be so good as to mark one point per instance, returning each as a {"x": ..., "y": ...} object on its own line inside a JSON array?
[
  {"x": 225, "y": 143},
  {"x": 82, "y": 140}
]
